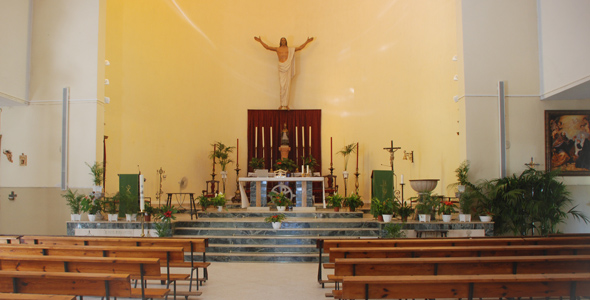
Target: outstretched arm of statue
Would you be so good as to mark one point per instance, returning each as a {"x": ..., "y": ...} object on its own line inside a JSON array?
[
  {"x": 304, "y": 44},
  {"x": 257, "y": 38}
]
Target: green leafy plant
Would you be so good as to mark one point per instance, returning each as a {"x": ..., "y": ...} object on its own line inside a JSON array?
[
  {"x": 404, "y": 210},
  {"x": 467, "y": 197},
  {"x": 279, "y": 199},
  {"x": 346, "y": 151},
  {"x": 353, "y": 202},
  {"x": 90, "y": 205},
  {"x": 221, "y": 153},
  {"x": 275, "y": 218},
  {"x": 97, "y": 171},
  {"x": 204, "y": 202},
  {"x": 285, "y": 164},
  {"x": 532, "y": 201},
  {"x": 164, "y": 219},
  {"x": 335, "y": 200},
  {"x": 218, "y": 200},
  {"x": 391, "y": 231},
  {"x": 149, "y": 209},
  {"x": 74, "y": 201},
  {"x": 389, "y": 206},
  {"x": 376, "y": 207},
  {"x": 109, "y": 205},
  {"x": 256, "y": 163},
  {"x": 309, "y": 161},
  {"x": 427, "y": 203}
]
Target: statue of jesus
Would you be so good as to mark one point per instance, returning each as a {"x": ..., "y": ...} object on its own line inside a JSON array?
[{"x": 286, "y": 66}]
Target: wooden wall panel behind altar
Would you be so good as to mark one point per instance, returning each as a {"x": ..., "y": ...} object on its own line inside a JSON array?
[{"x": 264, "y": 135}]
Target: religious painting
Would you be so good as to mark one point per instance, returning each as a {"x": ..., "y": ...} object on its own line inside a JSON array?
[{"x": 567, "y": 141}]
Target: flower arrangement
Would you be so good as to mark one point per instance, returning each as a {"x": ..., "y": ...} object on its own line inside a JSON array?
[
  {"x": 446, "y": 208},
  {"x": 275, "y": 218},
  {"x": 309, "y": 161},
  {"x": 285, "y": 164},
  {"x": 164, "y": 219},
  {"x": 90, "y": 204},
  {"x": 279, "y": 199}
]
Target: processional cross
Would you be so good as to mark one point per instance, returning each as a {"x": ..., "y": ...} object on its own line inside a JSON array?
[
  {"x": 532, "y": 164},
  {"x": 391, "y": 151}
]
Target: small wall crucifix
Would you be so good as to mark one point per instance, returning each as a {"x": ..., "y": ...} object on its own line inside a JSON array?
[
  {"x": 532, "y": 164},
  {"x": 391, "y": 151}
]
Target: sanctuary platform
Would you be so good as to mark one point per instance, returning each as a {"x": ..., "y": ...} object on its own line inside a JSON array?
[{"x": 238, "y": 235}]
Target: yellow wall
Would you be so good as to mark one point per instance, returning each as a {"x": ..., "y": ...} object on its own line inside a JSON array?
[{"x": 184, "y": 73}]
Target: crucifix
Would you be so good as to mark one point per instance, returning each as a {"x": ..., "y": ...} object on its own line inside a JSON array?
[
  {"x": 532, "y": 164},
  {"x": 391, "y": 151}
]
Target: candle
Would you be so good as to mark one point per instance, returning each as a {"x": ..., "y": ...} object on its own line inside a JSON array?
[
  {"x": 237, "y": 152},
  {"x": 302, "y": 169},
  {"x": 357, "y": 155},
  {"x": 214, "y": 147},
  {"x": 141, "y": 199},
  {"x": 308, "y": 169},
  {"x": 330, "y": 151},
  {"x": 402, "y": 178}
]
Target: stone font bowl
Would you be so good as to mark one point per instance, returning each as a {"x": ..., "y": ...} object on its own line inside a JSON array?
[{"x": 423, "y": 185}]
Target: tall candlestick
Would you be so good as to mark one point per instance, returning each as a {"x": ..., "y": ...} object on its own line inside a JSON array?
[
  {"x": 357, "y": 155},
  {"x": 330, "y": 151}
]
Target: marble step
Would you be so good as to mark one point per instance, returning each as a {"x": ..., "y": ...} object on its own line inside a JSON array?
[
  {"x": 225, "y": 248},
  {"x": 264, "y": 257},
  {"x": 320, "y": 214},
  {"x": 318, "y": 232},
  {"x": 290, "y": 223},
  {"x": 266, "y": 240}
]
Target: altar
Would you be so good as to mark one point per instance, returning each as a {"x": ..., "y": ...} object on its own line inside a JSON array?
[{"x": 303, "y": 190}]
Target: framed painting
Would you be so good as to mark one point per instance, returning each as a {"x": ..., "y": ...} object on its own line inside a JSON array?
[{"x": 567, "y": 141}]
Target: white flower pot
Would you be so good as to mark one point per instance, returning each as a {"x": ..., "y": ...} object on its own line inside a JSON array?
[
  {"x": 464, "y": 218},
  {"x": 97, "y": 188},
  {"x": 131, "y": 217},
  {"x": 387, "y": 218},
  {"x": 446, "y": 218},
  {"x": 276, "y": 225},
  {"x": 219, "y": 208},
  {"x": 281, "y": 208},
  {"x": 75, "y": 217},
  {"x": 345, "y": 174},
  {"x": 91, "y": 217},
  {"x": 485, "y": 218},
  {"x": 424, "y": 217},
  {"x": 113, "y": 217}
]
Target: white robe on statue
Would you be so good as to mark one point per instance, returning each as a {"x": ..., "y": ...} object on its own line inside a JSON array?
[{"x": 286, "y": 72}]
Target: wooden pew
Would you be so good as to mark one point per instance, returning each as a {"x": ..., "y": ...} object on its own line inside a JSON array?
[
  {"x": 9, "y": 239},
  {"x": 465, "y": 286},
  {"x": 61, "y": 283},
  {"x": 191, "y": 245},
  {"x": 475, "y": 251},
  {"x": 460, "y": 265},
  {"x": 325, "y": 245},
  {"x": 138, "y": 268},
  {"x": 11, "y": 296},
  {"x": 167, "y": 255}
]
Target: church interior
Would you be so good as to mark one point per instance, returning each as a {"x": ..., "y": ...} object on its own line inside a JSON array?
[{"x": 152, "y": 85}]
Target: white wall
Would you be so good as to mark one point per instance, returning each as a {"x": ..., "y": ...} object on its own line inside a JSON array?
[{"x": 564, "y": 44}]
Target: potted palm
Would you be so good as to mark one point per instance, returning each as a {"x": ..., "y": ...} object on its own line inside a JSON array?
[
  {"x": 110, "y": 207},
  {"x": 404, "y": 210},
  {"x": 74, "y": 201},
  {"x": 219, "y": 201},
  {"x": 464, "y": 192},
  {"x": 353, "y": 202},
  {"x": 389, "y": 207},
  {"x": 377, "y": 208},
  {"x": 97, "y": 172},
  {"x": 280, "y": 200},
  {"x": 335, "y": 201},
  {"x": 148, "y": 210},
  {"x": 346, "y": 151},
  {"x": 204, "y": 202},
  {"x": 276, "y": 220},
  {"x": 426, "y": 206},
  {"x": 91, "y": 206}
]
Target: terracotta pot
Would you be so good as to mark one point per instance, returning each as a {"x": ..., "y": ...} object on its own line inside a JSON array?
[
  {"x": 380, "y": 218},
  {"x": 148, "y": 218},
  {"x": 336, "y": 208}
]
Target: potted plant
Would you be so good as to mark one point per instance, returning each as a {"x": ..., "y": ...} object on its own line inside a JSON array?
[
  {"x": 376, "y": 208},
  {"x": 97, "y": 172},
  {"x": 464, "y": 192},
  {"x": 346, "y": 151},
  {"x": 128, "y": 204},
  {"x": 110, "y": 207},
  {"x": 309, "y": 161},
  {"x": 446, "y": 208},
  {"x": 256, "y": 163},
  {"x": 285, "y": 164},
  {"x": 486, "y": 216},
  {"x": 335, "y": 201},
  {"x": 74, "y": 201},
  {"x": 91, "y": 206},
  {"x": 426, "y": 206},
  {"x": 276, "y": 220},
  {"x": 404, "y": 210},
  {"x": 393, "y": 231},
  {"x": 222, "y": 152},
  {"x": 280, "y": 200},
  {"x": 204, "y": 202},
  {"x": 148, "y": 210},
  {"x": 389, "y": 207},
  {"x": 353, "y": 202},
  {"x": 164, "y": 219},
  {"x": 219, "y": 201}
]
